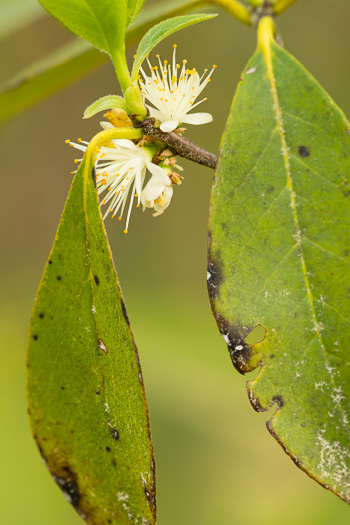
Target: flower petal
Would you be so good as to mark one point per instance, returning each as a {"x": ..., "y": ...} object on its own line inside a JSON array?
[
  {"x": 125, "y": 143},
  {"x": 169, "y": 125},
  {"x": 197, "y": 118},
  {"x": 154, "y": 187},
  {"x": 164, "y": 199},
  {"x": 155, "y": 113},
  {"x": 158, "y": 173},
  {"x": 106, "y": 125}
]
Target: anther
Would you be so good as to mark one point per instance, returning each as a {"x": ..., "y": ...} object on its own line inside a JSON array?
[{"x": 67, "y": 141}]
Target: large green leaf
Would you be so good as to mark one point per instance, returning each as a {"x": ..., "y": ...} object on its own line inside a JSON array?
[
  {"x": 72, "y": 61},
  {"x": 103, "y": 24},
  {"x": 86, "y": 397},
  {"x": 279, "y": 257},
  {"x": 161, "y": 31}
]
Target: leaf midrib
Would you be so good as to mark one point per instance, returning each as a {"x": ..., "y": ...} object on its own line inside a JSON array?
[{"x": 266, "y": 48}]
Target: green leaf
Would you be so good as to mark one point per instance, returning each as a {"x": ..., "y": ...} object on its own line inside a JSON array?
[
  {"x": 279, "y": 257},
  {"x": 103, "y": 24},
  {"x": 103, "y": 103},
  {"x": 160, "y": 32},
  {"x": 134, "y": 7},
  {"x": 86, "y": 397},
  {"x": 72, "y": 61}
]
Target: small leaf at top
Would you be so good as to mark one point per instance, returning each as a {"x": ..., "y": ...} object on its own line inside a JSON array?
[
  {"x": 134, "y": 7},
  {"x": 103, "y": 24},
  {"x": 279, "y": 257},
  {"x": 103, "y": 103},
  {"x": 159, "y": 32},
  {"x": 86, "y": 398}
]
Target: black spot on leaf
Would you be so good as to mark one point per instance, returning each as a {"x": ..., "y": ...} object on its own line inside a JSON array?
[
  {"x": 41, "y": 315},
  {"x": 115, "y": 434},
  {"x": 35, "y": 337},
  {"x": 279, "y": 400},
  {"x": 69, "y": 486},
  {"x": 97, "y": 280},
  {"x": 125, "y": 313},
  {"x": 304, "y": 151},
  {"x": 59, "y": 278}
]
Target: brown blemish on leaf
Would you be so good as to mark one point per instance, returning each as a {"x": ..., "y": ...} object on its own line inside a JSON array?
[
  {"x": 125, "y": 313},
  {"x": 255, "y": 402},
  {"x": 93, "y": 175},
  {"x": 102, "y": 346},
  {"x": 234, "y": 335},
  {"x": 67, "y": 480}
]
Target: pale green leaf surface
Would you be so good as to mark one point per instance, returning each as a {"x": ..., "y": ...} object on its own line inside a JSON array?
[
  {"x": 86, "y": 397},
  {"x": 112, "y": 18},
  {"x": 161, "y": 31},
  {"x": 58, "y": 70},
  {"x": 279, "y": 257},
  {"x": 103, "y": 103},
  {"x": 102, "y": 24},
  {"x": 134, "y": 7}
]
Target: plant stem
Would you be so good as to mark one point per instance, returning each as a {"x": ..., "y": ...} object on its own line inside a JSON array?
[
  {"x": 181, "y": 146},
  {"x": 236, "y": 9},
  {"x": 282, "y": 5},
  {"x": 131, "y": 90},
  {"x": 256, "y": 3},
  {"x": 121, "y": 68}
]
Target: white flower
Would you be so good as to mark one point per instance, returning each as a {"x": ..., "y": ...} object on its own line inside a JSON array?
[
  {"x": 157, "y": 195},
  {"x": 121, "y": 171},
  {"x": 172, "y": 91}
]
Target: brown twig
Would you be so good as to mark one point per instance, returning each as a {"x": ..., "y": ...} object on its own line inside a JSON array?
[{"x": 181, "y": 146}]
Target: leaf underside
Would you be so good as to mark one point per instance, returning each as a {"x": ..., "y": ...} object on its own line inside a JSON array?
[
  {"x": 279, "y": 253},
  {"x": 86, "y": 399}
]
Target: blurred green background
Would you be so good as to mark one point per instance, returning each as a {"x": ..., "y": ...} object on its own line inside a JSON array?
[{"x": 216, "y": 462}]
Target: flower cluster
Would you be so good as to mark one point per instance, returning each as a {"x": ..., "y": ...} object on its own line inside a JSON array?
[
  {"x": 121, "y": 169},
  {"x": 173, "y": 90},
  {"x": 122, "y": 166}
]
